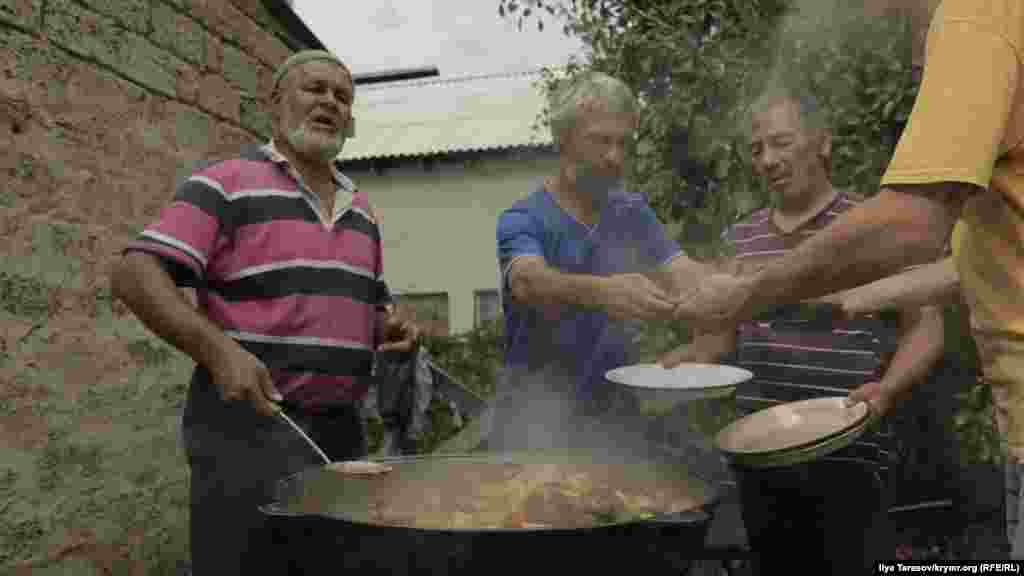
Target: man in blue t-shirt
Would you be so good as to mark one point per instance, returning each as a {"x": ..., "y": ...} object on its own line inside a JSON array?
[{"x": 581, "y": 261}]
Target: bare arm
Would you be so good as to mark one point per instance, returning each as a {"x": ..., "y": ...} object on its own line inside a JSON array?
[
  {"x": 932, "y": 284},
  {"x": 681, "y": 275},
  {"x": 873, "y": 240},
  {"x": 533, "y": 282},
  {"x": 707, "y": 347},
  {"x": 922, "y": 341},
  {"x": 624, "y": 296},
  {"x": 149, "y": 291}
]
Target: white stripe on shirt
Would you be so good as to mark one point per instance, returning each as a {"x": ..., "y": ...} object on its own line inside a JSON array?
[
  {"x": 165, "y": 239},
  {"x": 299, "y": 340},
  {"x": 302, "y": 263}
]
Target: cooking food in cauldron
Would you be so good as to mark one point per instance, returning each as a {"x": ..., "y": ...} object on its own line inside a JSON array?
[{"x": 520, "y": 495}]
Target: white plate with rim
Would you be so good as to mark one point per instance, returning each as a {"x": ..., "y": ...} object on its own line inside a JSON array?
[{"x": 656, "y": 385}]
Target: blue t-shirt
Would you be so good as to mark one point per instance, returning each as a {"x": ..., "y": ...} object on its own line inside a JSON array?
[{"x": 581, "y": 344}]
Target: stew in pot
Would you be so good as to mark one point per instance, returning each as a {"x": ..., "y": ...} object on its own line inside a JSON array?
[{"x": 481, "y": 495}]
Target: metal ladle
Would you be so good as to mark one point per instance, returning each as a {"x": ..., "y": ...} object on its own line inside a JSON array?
[
  {"x": 298, "y": 429},
  {"x": 353, "y": 467}
]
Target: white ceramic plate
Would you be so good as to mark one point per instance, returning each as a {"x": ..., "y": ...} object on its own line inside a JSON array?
[{"x": 652, "y": 382}]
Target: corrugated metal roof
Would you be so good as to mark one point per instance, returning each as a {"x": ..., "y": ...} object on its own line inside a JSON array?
[{"x": 441, "y": 115}]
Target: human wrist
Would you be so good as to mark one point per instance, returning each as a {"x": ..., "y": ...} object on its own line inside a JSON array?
[
  {"x": 213, "y": 347},
  {"x": 749, "y": 297},
  {"x": 601, "y": 292}
]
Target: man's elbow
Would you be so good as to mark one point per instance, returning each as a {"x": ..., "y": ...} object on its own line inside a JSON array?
[
  {"x": 927, "y": 215},
  {"x": 924, "y": 237},
  {"x": 521, "y": 288},
  {"x": 116, "y": 272},
  {"x": 522, "y": 276},
  {"x": 124, "y": 273}
]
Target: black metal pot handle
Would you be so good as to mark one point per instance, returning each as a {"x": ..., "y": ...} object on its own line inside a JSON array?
[{"x": 695, "y": 516}]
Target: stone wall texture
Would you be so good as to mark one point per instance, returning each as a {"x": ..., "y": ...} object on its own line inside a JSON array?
[{"x": 104, "y": 105}]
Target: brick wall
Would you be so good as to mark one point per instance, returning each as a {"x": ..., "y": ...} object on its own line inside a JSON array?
[{"x": 104, "y": 104}]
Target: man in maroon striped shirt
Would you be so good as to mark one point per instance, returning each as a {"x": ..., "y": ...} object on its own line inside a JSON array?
[
  {"x": 832, "y": 510},
  {"x": 285, "y": 256}
]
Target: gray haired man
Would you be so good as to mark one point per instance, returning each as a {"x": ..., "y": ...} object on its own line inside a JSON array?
[{"x": 581, "y": 259}]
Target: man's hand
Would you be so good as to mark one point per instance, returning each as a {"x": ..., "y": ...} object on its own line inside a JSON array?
[
  {"x": 706, "y": 348},
  {"x": 857, "y": 301},
  {"x": 717, "y": 303},
  {"x": 875, "y": 394},
  {"x": 634, "y": 296},
  {"x": 398, "y": 334},
  {"x": 686, "y": 353},
  {"x": 241, "y": 377}
]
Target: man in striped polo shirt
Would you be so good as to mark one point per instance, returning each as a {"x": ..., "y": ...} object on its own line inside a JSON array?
[
  {"x": 831, "y": 512},
  {"x": 960, "y": 158},
  {"x": 285, "y": 256}
]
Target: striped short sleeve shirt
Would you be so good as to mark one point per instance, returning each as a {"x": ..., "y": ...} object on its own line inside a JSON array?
[
  {"x": 797, "y": 362},
  {"x": 296, "y": 288}
]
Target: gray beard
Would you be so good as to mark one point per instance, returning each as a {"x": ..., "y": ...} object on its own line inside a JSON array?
[
  {"x": 314, "y": 146},
  {"x": 596, "y": 186}
]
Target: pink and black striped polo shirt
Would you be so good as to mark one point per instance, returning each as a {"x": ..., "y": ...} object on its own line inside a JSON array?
[
  {"x": 297, "y": 288},
  {"x": 797, "y": 362}
]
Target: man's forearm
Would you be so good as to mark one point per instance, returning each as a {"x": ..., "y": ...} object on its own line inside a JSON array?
[
  {"x": 921, "y": 345},
  {"x": 150, "y": 293},
  {"x": 873, "y": 240},
  {"x": 539, "y": 285},
  {"x": 937, "y": 283}
]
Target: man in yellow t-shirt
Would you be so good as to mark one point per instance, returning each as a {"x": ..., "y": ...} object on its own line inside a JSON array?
[{"x": 960, "y": 157}]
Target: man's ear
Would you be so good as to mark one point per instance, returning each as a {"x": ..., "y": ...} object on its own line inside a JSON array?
[{"x": 825, "y": 148}]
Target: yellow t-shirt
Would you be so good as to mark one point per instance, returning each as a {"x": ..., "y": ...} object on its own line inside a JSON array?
[{"x": 967, "y": 125}]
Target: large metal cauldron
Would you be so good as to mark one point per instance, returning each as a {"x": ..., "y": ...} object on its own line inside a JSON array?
[{"x": 339, "y": 533}]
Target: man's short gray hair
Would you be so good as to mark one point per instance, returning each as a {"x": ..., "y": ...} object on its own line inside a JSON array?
[
  {"x": 570, "y": 98},
  {"x": 813, "y": 117}
]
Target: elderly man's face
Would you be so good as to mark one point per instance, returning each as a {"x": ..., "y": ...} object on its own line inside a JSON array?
[
  {"x": 314, "y": 109},
  {"x": 598, "y": 148},
  {"x": 787, "y": 156}
]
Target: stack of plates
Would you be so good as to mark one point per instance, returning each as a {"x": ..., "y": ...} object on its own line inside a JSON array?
[{"x": 794, "y": 433}]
